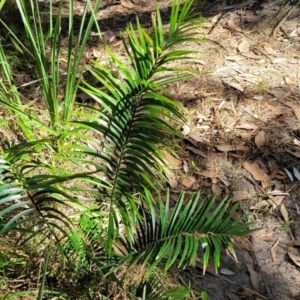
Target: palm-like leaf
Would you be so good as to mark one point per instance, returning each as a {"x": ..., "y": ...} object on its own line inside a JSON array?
[
  {"x": 30, "y": 202},
  {"x": 134, "y": 115},
  {"x": 175, "y": 234}
]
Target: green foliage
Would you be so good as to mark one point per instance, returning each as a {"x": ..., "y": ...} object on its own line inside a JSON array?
[
  {"x": 45, "y": 65},
  {"x": 175, "y": 234},
  {"x": 114, "y": 153}
]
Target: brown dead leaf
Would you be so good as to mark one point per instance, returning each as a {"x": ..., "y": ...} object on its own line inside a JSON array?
[
  {"x": 273, "y": 254},
  {"x": 296, "y": 110},
  {"x": 257, "y": 173},
  {"x": 227, "y": 147},
  {"x": 284, "y": 213},
  {"x": 127, "y": 4},
  {"x": 188, "y": 181},
  {"x": 197, "y": 137},
  {"x": 217, "y": 117},
  {"x": 236, "y": 58},
  {"x": 274, "y": 173},
  {"x": 261, "y": 204},
  {"x": 270, "y": 50},
  {"x": 240, "y": 195},
  {"x": 208, "y": 173},
  {"x": 294, "y": 258},
  {"x": 232, "y": 26},
  {"x": 255, "y": 277},
  {"x": 274, "y": 110},
  {"x": 244, "y": 46},
  {"x": 263, "y": 235},
  {"x": 171, "y": 161},
  {"x": 261, "y": 139},
  {"x": 276, "y": 201},
  {"x": 234, "y": 85},
  {"x": 249, "y": 126},
  {"x": 172, "y": 179}
]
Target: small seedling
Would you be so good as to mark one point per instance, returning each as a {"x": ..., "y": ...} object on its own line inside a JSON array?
[{"x": 285, "y": 226}]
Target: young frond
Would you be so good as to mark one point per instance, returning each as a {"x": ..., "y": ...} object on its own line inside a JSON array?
[{"x": 176, "y": 233}]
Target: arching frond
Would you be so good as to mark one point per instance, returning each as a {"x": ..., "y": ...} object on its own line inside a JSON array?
[{"x": 176, "y": 234}]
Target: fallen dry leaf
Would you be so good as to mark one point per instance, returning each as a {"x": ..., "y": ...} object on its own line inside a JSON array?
[
  {"x": 235, "y": 86},
  {"x": 127, "y": 4},
  {"x": 247, "y": 126},
  {"x": 261, "y": 139},
  {"x": 274, "y": 173},
  {"x": 172, "y": 180},
  {"x": 244, "y": 46},
  {"x": 208, "y": 173},
  {"x": 294, "y": 258},
  {"x": 273, "y": 254},
  {"x": 274, "y": 110},
  {"x": 270, "y": 50},
  {"x": 263, "y": 235},
  {"x": 227, "y": 147},
  {"x": 284, "y": 213},
  {"x": 171, "y": 161},
  {"x": 261, "y": 204},
  {"x": 240, "y": 195},
  {"x": 296, "y": 110},
  {"x": 188, "y": 181},
  {"x": 277, "y": 193},
  {"x": 234, "y": 58},
  {"x": 255, "y": 277},
  {"x": 276, "y": 201},
  {"x": 232, "y": 26},
  {"x": 196, "y": 151},
  {"x": 197, "y": 137},
  {"x": 257, "y": 173}
]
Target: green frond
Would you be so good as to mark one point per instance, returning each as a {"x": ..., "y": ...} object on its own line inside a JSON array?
[{"x": 175, "y": 234}]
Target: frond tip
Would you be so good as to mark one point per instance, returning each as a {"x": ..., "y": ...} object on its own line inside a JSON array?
[{"x": 176, "y": 233}]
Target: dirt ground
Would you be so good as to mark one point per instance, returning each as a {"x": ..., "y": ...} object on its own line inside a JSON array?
[
  {"x": 242, "y": 138},
  {"x": 244, "y": 118}
]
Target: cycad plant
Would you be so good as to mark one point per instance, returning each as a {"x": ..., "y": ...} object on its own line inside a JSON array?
[{"x": 105, "y": 216}]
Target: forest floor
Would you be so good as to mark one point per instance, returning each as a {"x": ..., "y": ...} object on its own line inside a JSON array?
[
  {"x": 242, "y": 138},
  {"x": 243, "y": 141}
]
